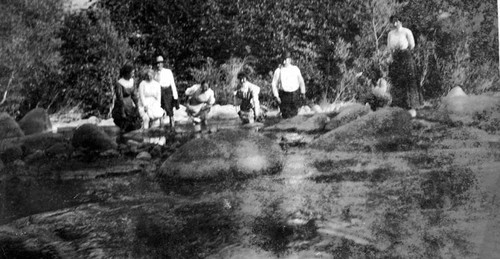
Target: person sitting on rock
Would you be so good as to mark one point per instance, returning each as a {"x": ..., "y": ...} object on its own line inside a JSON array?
[
  {"x": 150, "y": 100},
  {"x": 246, "y": 100},
  {"x": 200, "y": 100}
]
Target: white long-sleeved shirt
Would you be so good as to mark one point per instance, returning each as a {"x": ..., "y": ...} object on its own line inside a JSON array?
[
  {"x": 288, "y": 79},
  {"x": 166, "y": 79},
  {"x": 195, "y": 94}
]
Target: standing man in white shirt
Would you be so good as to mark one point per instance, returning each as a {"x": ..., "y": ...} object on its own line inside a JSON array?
[
  {"x": 288, "y": 87},
  {"x": 169, "y": 96}
]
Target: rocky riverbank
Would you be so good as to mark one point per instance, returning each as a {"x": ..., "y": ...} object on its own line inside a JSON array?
[{"x": 344, "y": 183}]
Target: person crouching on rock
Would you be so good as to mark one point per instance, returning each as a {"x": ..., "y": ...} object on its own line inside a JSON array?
[
  {"x": 125, "y": 110},
  {"x": 150, "y": 100},
  {"x": 246, "y": 100},
  {"x": 200, "y": 99}
]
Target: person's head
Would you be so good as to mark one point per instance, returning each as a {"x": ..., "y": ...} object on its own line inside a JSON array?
[
  {"x": 395, "y": 21},
  {"x": 159, "y": 62},
  {"x": 286, "y": 58},
  {"x": 204, "y": 86},
  {"x": 148, "y": 74},
  {"x": 242, "y": 76},
  {"x": 127, "y": 71}
]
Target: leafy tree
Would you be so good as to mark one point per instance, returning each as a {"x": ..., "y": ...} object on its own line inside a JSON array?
[
  {"x": 93, "y": 54},
  {"x": 29, "y": 53}
]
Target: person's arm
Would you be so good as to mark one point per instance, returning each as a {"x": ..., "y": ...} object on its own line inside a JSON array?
[
  {"x": 256, "y": 102},
  {"x": 211, "y": 98},
  {"x": 158, "y": 92},
  {"x": 173, "y": 86},
  {"x": 236, "y": 101},
  {"x": 119, "y": 98},
  {"x": 274, "y": 84},
  {"x": 302, "y": 85},
  {"x": 142, "y": 97},
  {"x": 411, "y": 40},
  {"x": 191, "y": 90}
]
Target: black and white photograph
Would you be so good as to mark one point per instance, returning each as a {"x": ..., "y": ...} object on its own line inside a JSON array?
[{"x": 249, "y": 129}]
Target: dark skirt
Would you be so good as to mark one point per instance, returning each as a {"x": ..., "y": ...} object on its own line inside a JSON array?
[
  {"x": 404, "y": 90},
  {"x": 290, "y": 103},
  {"x": 167, "y": 100},
  {"x": 132, "y": 119}
]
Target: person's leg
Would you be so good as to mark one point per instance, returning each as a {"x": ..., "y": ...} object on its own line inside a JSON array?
[
  {"x": 145, "y": 118},
  {"x": 172, "y": 122}
]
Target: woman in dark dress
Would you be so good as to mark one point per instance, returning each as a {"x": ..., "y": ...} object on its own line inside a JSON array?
[
  {"x": 405, "y": 91},
  {"x": 125, "y": 113}
]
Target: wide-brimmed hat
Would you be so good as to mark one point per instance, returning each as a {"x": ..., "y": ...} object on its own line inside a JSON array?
[{"x": 159, "y": 59}]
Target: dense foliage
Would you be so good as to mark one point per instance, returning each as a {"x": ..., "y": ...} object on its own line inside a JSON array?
[{"x": 53, "y": 58}]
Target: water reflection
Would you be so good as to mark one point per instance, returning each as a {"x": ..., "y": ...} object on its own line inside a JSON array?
[{"x": 24, "y": 197}]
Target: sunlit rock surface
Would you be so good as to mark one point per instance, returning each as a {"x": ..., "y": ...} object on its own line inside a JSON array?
[
  {"x": 224, "y": 154},
  {"x": 385, "y": 128}
]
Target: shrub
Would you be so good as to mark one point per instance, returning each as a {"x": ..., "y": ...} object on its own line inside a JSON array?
[{"x": 93, "y": 53}]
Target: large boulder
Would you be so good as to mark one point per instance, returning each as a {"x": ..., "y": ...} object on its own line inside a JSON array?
[
  {"x": 302, "y": 123},
  {"x": 228, "y": 153},
  {"x": 384, "y": 130},
  {"x": 348, "y": 114},
  {"x": 9, "y": 127},
  {"x": 222, "y": 112},
  {"x": 472, "y": 110},
  {"x": 31, "y": 143},
  {"x": 35, "y": 121},
  {"x": 92, "y": 138}
]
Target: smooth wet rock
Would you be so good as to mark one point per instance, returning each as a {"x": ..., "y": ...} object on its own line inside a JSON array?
[
  {"x": 385, "y": 128},
  {"x": 225, "y": 154},
  {"x": 347, "y": 114},
  {"x": 456, "y": 92},
  {"x": 35, "y": 156},
  {"x": 9, "y": 127},
  {"x": 91, "y": 137},
  {"x": 478, "y": 110},
  {"x": 35, "y": 121},
  {"x": 143, "y": 156}
]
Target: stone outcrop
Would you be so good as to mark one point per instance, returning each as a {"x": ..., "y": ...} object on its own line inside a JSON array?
[
  {"x": 35, "y": 121},
  {"x": 226, "y": 154},
  {"x": 302, "y": 123},
  {"x": 347, "y": 114},
  {"x": 92, "y": 138},
  {"x": 472, "y": 110},
  {"x": 384, "y": 129},
  {"x": 9, "y": 127}
]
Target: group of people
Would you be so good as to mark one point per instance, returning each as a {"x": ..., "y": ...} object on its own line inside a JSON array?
[
  {"x": 154, "y": 100},
  {"x": 157, "y": 94}
]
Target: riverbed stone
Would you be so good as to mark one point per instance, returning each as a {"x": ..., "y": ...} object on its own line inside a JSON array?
[
  {"x": 347, "y": 114},
  {"x": 11, "y": 154},
  {"x": 91, "y": 137},
  {"x": 473, "y": 110},
  {"x": 9, "y": 127},
  {"x": 143, "y": 156},
  {"x": 384, "y": 128},
  {"x": 302, "y": 123},
  {"x": 35, "y": 121},
  {"x": 225, "y": 154}
]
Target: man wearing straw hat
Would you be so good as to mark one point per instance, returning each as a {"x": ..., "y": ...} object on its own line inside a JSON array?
[{"x": 169, "y": 96}]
